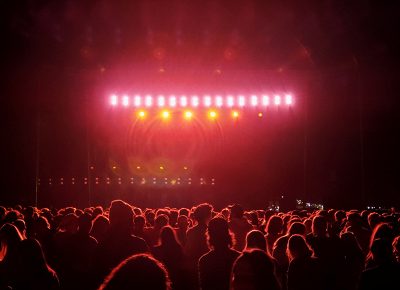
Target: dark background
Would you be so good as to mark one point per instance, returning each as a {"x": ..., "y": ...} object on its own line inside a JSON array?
[{"x": 61, "y": 59}]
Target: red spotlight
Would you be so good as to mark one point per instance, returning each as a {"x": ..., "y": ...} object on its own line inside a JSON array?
[
  {"x": 260, "y": 115},
  {"x": 141, "y": 114},
  {"x": 165, "y": 115},
  {"x": 235, "y": 114},
  {"x": 212, "y": 115}
]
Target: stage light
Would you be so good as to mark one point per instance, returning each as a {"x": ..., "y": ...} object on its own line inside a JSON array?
[
  {"x": 230, "y": 101},
  {"x": 289, "y": 100},
  {"x": 137, "y": 101},
  {"x": 218, "y": 101},
  {"x": 277, "y": 100},
  {"x": 172, "y": 101},
  {"x": 183, "y": 101},
  {"x": 161, "y": 167},
  {"x": 254, "y": 100},
  {"x": 212, "y": 114},
  {"x": 148, "y": 101},
  {"x": 207, "y": 101},
  {"x": 188, "y": 115},
  {"x": 138, "y": 167},
  {"x": 125, "y": 101},
  {"x": 184, "y": 168},
  {"x": 265, "y": 100},
  {"x": 114, "y": 167},
  {"x": 241, "y": 101},
  {"x": 165, "y": 115},
  {"x": 260, "y": 115},
  {"x": 235, "y": 114},
  {"x": 195, "y": 101},
  {"x": 141, "y": 114},
  {"x": 114, "y": 100},
  {"x": 161, "y": 101}
]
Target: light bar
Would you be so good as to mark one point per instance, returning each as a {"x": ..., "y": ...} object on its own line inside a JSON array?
[{"x": 205, "y": 101}]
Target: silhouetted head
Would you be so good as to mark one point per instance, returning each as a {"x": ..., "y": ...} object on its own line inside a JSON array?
[
  {"x": 255, "y": 240},
  {"x": 381, "y": 250},
  {"x": 319, "y": 226},
  {"x": 373, "y": 220},
  {"x": 354, "y": 219},
  {"x": 167, "y": 236},
  {"x": 138, "y": 272},
  {"x": 69, "y": 223},
  {"x": 254, "y": 270},
  {"x": 274, "y": 225},
  {"x": 382, "y": 231},
  {"x": 202, "y": 213},
  {"x": 10, "y": 237},
  {"x": 237, "y": 211},
  {"x": 350, "y": 244},
  {"x": 161, "y": 221},
  {"x": 218, "y": 233},
  {"x": 297, "y": 228},
  {"x": 298, "y": 248},
  {"x": 100, "y": 225},
  {"x": 32, "y": 257},
  {"x": 183, "y": 222},
  {"x": 121, "y": 215},
  {"x": 139, "y": 222},
  {"x": 85, "y": 223}
]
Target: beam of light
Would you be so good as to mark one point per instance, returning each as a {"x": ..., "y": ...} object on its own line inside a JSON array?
[
  {"x": 172, "y": 101},
  {"x": 114, "y": 100},
  {"x": 137, "y": 101},
  {"x": 125, "y": 101},
  {"x": 230, "y": 102},
  {"x": 265, "y": 100},
  {"x": 277, "y": 100},
  {"x": 165, "y": 115},
  {"x": 289, "y": 100},
  {"x": 195, "y": 101},
  {"x": 212, "y": 115},
  {"x": 241, "y": 101},
  {"x": 260, "y": 115},
  {"x": 235, "y": 114},
  {"x": 183, "y": 101},
  {"x": 188, "y": 115},
  {"x": 207, "y": 101},
  {"x": 148, "y": 101},
  {"x": 218, "y": 101},
  {"x": 161, "y": 101},
  {"x": 254, "y": 100}
]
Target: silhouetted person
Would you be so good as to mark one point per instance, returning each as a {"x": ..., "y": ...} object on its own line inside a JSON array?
[
  {"x": 100, "y": 227},
  {"x": 381, "y": 231},
  {"x": 215, "y": 266},
  {"x": 303, "y": 272},
  {"x": 139, "y": 222},
  {"x": 170, "y": 253},
  {"x": 33, "y": 272},
  {"x": 356, "y": 226},
  {"x": 396, "y": 248},
  {"x": 274, "y": 230},
  {"x": 239, "y": 226},
  {"x": 254, "y": 270},
  {"x": 255, "y": 240},
  {"x": 182, "y": 228},
  {"x": 138, "y": 272},
  {"x": 152, "y": 234},
  {"x": 10, "y": 239},
  {"x": 354, "y": 261},
  {"x": 386, "y": 273},
  {"x": 119, "y": 242}
]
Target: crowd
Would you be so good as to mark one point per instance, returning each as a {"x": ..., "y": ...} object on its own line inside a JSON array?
[{"x": 126, "y": 247}]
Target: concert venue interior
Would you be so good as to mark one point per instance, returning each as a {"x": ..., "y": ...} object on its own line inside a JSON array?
[{"x": 200, "y": 144}]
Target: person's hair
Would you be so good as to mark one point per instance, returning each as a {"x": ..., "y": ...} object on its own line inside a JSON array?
[
  {"x": 121, "y": 214},
  {"x": 140, "y": 271},
  {"x": 297, "y": 247},
  {"x": 396, "y": 248},
  {"x": 274, "y": 225},
  {"x": 202, "y": 212},
  {"x": 33, "y": 260},
  {"x": 218, "y": 233},
  {"x": 254, "y": 269},
  {"x": 237, "y": 211},
  {"x": 139, "y": 221},
  {"x": 297, "y": 228},
  {"x": 161, "y": 221},
  {"x": 373, "y": 220},
  {"x": 10, "y": 237},
  {"x": 382, "y": 231},
  {"x": 168, "y": 237},
  {"x": 85, "y": 223},
  {"x": 319, "y": 225},
  {"x": 99, "y": 225},
  {"x": 255, "y": 240},
  {"x": 381, "y": 250}
]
